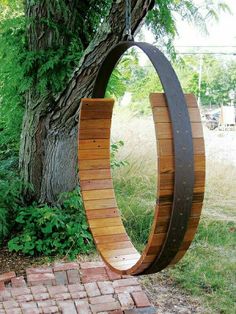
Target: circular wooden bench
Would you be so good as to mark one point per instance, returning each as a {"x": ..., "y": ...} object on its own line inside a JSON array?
[{"x": 101, "y": 208}]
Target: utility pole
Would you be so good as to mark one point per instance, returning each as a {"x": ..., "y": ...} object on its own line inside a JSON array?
[{"x": 200, "y": 80}]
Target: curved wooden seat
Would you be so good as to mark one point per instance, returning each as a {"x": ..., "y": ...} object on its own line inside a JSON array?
[{"x": 98, "y": 194}]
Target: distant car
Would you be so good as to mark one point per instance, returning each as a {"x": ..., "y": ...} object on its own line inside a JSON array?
[{"x": 212, "y": 120}]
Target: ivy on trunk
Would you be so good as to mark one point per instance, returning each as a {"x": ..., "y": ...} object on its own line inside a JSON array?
[{"x": 48, "y": 153}]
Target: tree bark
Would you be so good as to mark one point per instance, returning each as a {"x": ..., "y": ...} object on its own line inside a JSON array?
[{"x": 48, "y": 155}]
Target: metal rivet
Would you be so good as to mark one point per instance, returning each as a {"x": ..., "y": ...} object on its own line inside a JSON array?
[
  {"x": 178, "y": 199},
  {"x": 184, "y": 148},
  {"x": 181, "y": 214},
  {"x": 187, "y": 198},
  {"x": 184, "y": 182},
  {"x": 174, "y": 240},
  {"x": 177, "y": 131}
]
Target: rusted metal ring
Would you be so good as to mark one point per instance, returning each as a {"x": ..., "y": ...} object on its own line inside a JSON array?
[{"x": 182, "y": 135}]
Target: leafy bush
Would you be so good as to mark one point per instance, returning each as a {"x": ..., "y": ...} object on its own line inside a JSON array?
[
  {"x": 10, "y": 197},
  {"x": 115, "y": 162},
  {"x": 61, "y": 230}
]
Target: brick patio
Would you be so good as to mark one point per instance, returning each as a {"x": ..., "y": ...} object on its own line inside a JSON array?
[{"x": 72, "y": 288}]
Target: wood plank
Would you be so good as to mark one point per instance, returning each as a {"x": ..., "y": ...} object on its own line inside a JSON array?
[
  {"x": 103, "y": 213},
  {"x": 196, "y": 209},
  {"x": 193, "y": 222},
  {"x": 118, "y": 252},
  {"x": 108, "y": 230},
  {"x": 166, "y": 164},
  {"x": 166, "y": 146},
  {"x": 158, "y": 239},
  {"x": 98, "y": 104},
  {"x": 95, "y": 114},
  {"x": 125, "y": 257},
  {"x": 125, "y": 264},
  {"x": 95, "y": 124},
  {"x": 162, "y": 226},
  {"x": 95, "y": 174},
  {"x": 88, "y": 154},
  {"x": 87, "y": 185},
  {"x": 86, "y": 134},
  {"x": 100, "y": 204},
  {"x": 111, "y": 238},
  {"x": 164, "y": 130},
  {"x": 94, "y": 144},
  {"x": 161, "y": 114},
  {"x": 98, "y": 194},
  {"x": 94, "y": 164},
  {"x": 164, "y": 210},
  {"x": 199, "y": 163},
  {"x": 159, "y": 100},
  {"x": 116, "y": 246},
  {"x": 167, "y": 180},
  {"x": 149, "y": 258},
  {"x": 105, "y": 222}
]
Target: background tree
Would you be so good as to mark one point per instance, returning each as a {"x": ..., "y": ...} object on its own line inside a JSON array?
[{"x": 50, "y": 55}]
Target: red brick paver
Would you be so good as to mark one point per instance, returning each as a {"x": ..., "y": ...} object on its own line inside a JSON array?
[{"x": 72, "y": 288}]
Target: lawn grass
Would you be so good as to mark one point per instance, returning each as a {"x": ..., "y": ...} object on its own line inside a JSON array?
[{"x": 208, "y": 270}]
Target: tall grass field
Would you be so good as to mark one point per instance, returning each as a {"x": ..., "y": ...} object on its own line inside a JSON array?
[{"x": 208, "y": 270}]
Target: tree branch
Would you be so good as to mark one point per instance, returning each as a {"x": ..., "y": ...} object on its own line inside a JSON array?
[{"x": 110, "y": 33}]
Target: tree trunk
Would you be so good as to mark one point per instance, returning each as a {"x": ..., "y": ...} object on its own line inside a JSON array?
[{"x": 48, "y": 155}]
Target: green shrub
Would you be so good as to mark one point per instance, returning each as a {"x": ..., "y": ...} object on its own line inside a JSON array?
[
  {"x": 115, "y": 162},
  {"x": 10, "y": 197},
  {"x": 60, "y": 230}
]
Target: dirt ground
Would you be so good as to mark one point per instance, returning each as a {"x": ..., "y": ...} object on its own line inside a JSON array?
[{"x": 169, "y": 298}]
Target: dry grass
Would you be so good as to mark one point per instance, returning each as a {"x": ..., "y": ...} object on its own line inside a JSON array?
[
  {"x": 208, "y": 269},
  {"x": 140, "y": 151}
]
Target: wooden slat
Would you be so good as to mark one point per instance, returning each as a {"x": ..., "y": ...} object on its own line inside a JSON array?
[
  {"x": 116, "y": 246},
  {"x": 103, "y": 213},
  {"x": 95, "y": 114},
  {"x": 86, "y": 134},
  {"x": 167, "y": 180},
  {"x": 108, "y": 230},
  {"x": 166, "y": 146},
  {"x": 98, "y": 194},
  {"x": 112, "y": 238},
  {"x": 125, "y": 264},
  {"x": 158, "y": 239},
  {"x": 88, "y": 154},
  {"x": 98, "y": 104},
  {"x": 164, "y": 130},
  {"x": 94, "y": 143},
  {"x": 100, "y": 204},
  {"x": 87, "y": 185},
  {"x": 118, "y": 252},
  {"x": 196, "y": 209},
  {"x": 161, "y": 114},
  {"x": 95, "y": 174},
  {"x": 125, "y": 257},
  {"x": 159, "y": 100},
  {"x": 94, "y": 164},
  {"x": 166, "y": 164},
  {"x": 95, "y": 124},
  {"x": 105, "y": 222}
]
